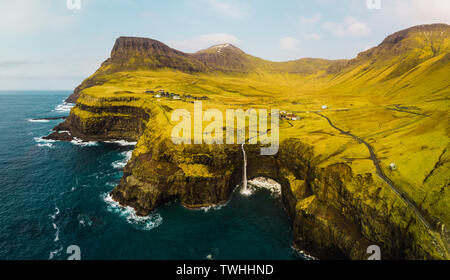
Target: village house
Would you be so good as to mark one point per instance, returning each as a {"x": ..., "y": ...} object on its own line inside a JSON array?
[
  {"x": 392, "y": 166},
  {"x": 290, "y": 116}
]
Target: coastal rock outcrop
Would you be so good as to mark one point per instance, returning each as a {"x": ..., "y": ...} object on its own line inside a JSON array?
[{"x": 337, "y": 209}]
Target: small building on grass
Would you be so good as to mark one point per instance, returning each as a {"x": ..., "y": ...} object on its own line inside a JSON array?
[{"x": 392, "y": 166}]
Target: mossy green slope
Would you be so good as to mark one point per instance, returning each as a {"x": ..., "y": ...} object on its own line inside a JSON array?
[{"x": 395, "y": 96}]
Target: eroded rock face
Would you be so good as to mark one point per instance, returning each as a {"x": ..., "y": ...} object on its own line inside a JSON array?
[
  {"x": 196, "y": 175},
  {"x": 335, "y": 213}
]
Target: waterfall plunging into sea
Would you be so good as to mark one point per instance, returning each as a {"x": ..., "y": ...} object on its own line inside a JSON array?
[{"x": 245, "y": 190}]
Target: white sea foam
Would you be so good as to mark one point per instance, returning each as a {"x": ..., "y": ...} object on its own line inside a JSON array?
[
  {"x": 55, "y": 252},
  {"x": 57, "y": 232},
  {"x": 44, "y": 142},
  {"x": 214, "y": 207},
  {"x": 49, "y": 145},
  {"x": 56, "y": 213},
  {"x": 248, "y": 191},
  {"x": 79, "y": 142},
  {"x": 38, "y": 120},
  {"x": 41, "y": 140},
  {"x": 122, "y": 143},
  {"x": 56, "y": 228},
  {"x": 129, "y": 214},
  {"x": 84, "y": 220},
  {"x": 304, "y": 254},
  {"x": 119, "y": 164},
  {"x": 64, "y": 107}
]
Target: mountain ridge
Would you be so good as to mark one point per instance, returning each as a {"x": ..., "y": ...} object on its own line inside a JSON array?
[
  {"x": 345, "y": 122},
  {"x": 407, "y": 48}
]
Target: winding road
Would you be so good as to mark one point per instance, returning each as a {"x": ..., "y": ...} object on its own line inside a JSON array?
[
  {"x": 436, "y": 228},
  {"x": 380, "y": 173}
]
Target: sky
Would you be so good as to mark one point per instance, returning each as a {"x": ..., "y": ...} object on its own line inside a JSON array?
[{"x": 56, "y": 44}]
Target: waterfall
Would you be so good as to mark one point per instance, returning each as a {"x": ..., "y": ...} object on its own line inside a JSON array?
[{"x": 245, "y": 189}]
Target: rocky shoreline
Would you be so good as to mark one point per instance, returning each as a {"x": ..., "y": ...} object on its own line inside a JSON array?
[
  {"x": 329, "y": 217},
  {"x": 338, "y": 208}
]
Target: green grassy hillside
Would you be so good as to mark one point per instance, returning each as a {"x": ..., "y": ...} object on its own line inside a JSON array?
[{"x": 395, "y": 96}]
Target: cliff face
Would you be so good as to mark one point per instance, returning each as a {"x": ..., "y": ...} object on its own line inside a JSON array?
[
  {"x": 197, "y": 175},
  {"x": 338, "y": 206},
  {"x": 335, "y": 213}
]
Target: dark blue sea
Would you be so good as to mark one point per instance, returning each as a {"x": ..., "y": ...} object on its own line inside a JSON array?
[{"x": 55, "y": 194}]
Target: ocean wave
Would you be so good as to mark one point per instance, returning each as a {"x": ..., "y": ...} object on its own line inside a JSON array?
[
  {"x": 55, "y": 252},
  {"x": 111, "y": 184},
  {"x": 79, "y": 142},
  {"x": 56, "y": 233},
  {"x": 56, "y": 228},
  {"x": 214, "y": 207},
  {"x": 119, "y": 164},
  {"x": 122, "y": 143},
  {"x": 56, "y": 213},
  {"x": 129, "y": 214},
  {"x": 49, "y": 145},
  {"x": 304, "y": 254},
  {"x": 41, "y": 140},
  {"x": 38, "y": 120},
  {"x": 44, "y": 142},
  {"x": 64, "y": 107}
]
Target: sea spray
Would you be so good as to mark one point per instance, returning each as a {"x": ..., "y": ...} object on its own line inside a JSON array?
[
  {"x": 145, "y": 223},
  {"x": 79, "y": 142},
  {"x": 64, "y": 107},
  {"x": 120, "y": 164}
]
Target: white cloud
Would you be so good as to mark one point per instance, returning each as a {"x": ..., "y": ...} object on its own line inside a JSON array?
[
  {"x": 205, "y": 41},
  {"x": 348, "y": 27},
  {"x": 419, "y": 11},
  {"x": 313, "y": 36},
  {"x": 310, "y": 20},
  {"x": 230, "y": 8},
  {"x": 24, "y": 16},
  {"x": 289, "y": 44}
]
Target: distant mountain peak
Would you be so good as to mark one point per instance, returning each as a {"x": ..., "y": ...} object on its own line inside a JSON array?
[
  {"x": 400, "y": 52},
  {"x": 220, "y": 48},
  {"x": 426, "y": 31}
]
